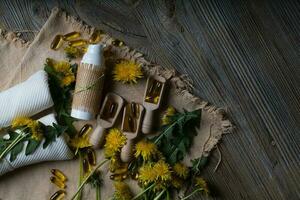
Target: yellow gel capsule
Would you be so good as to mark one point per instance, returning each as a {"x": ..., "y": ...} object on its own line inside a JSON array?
[
  {"x": 59, "y": 174},
  {"x": 95, "y": 37},
  {"x": 56, "y": 42},
  {"x": 56, "y": 181},
  {"x": 59, "y": 195},
  {"x": 71, "y": 36},
  {"x": 120, "y": 170},
  {"x": 86, "y": 129},
  {"x": 118, "y": 177},
  {"x": 91, "y": 155},
  {"x": 117, "y": 43},
  {"x": 77, "y": 43},
  {"x": 86, "y": 166},
  {"x": 132, "y": 124},
  {"x": 156, "y": 99}
]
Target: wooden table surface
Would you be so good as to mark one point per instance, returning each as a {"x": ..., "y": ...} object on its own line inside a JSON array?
[{"x": 240, "y": 54}]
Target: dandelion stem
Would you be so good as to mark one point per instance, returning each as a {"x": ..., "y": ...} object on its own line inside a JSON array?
[
  {"x": 160, "y": 194},
  {"x": 80, "y": 173},
  {"x": 144, "y": 191},
  {"x": 194, "y": 192},
  {"x": 98, "y": 196},
  {"x": 87, "y": 178},
  {"x": 13, "y": 144},
  {"x": 168, "y": 195}
]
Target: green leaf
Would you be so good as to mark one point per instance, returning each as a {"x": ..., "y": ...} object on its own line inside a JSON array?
[
  {"x": 176, "y": 138},
  {"x": 62, "y": 98},
  {"x": 16, "y": 150},
  {"x": 59, "y": 129},
  {"x": 51, "y": 133},
  {"x": 31, "y": 146}
]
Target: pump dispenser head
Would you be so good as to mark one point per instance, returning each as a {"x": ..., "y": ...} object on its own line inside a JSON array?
[{"x": 94, "y": 55}]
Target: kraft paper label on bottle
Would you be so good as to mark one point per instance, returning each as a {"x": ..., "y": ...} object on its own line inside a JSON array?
[{"x": 88, "y": 89}]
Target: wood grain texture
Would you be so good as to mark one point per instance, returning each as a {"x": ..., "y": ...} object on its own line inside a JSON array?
[{"x": 241, "y": 54}]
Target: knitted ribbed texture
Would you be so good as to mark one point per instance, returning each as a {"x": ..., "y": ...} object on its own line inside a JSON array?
[
  {"x": 25, "y": 99},
  {"x": 57, "y": 150}
]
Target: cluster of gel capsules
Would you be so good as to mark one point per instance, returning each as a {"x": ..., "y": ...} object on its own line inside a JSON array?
[
  {"x": 88, "y": 154},
  {"x": 59, "y": 179},
  {"x": 75, "y": 45}
]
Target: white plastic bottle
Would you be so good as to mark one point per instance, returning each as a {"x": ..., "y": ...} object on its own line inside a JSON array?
[{"x": 89, "y": 84}]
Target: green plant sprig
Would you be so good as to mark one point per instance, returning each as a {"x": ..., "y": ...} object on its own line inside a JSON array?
[
  {"x": 176, "y": 137},
  {"x": 19, "y": 135},
  {"x": 62, "y": 98}
]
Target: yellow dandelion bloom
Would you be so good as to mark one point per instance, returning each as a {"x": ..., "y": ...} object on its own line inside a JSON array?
[
  {"x": 62, "y": 66},
  {"x": 20, "y": 121},
  {"x": 115, "y": 140},
  {"x": 127, "y": 71},
  {"x": 162, "y": 171},
  {"x": 73, "y": 52},
  {"x": 181, "y": 170},
  {"x": 146, "y": 174},
  {"x": 36, "y": 132},
  {"x": 166, "y": 118},
  {"x": 33, "y": 125},
  {"x": 122, "y": 191},
  {"x": 145, "y": 149},
  {"x": 65, "y": 70},
  {"x": 200, "y": 183},
  {"x": 81, "y": 142},
  {"x": 68, "y": 79}
]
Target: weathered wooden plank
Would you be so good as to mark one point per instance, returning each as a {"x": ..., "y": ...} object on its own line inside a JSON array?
[{"x": 242, "y": 55}]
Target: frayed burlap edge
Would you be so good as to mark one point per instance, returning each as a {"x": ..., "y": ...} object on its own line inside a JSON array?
[{"x": 13, "y": 38}]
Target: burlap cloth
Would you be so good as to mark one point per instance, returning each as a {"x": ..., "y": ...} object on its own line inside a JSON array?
[{"x": 19, "y": 59}]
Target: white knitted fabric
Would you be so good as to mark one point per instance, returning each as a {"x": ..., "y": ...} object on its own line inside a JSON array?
[
  {"x": 57, "y": 150},
  {"x": 25, "y": 99}
]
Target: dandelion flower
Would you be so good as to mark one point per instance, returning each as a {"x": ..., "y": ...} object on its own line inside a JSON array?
[
  {"x": 72, "y": 52},
  {"x": 181, "y": 170},
  {"x": 166, "y": 118},
  {"x": 33, "y": 126},
  {"x": 122, "y": 191},
  {"x": 201, "y": 184},
  {"x": 20, "y": 121},
  {"x": 127, "y": 71},
  {"x": 146, "y": 174},
  {"x": 62, "y": 66},
  {"x": 68, "y": 79},
  {"x": 162, "y": 171},
  {"x": 145, "y": 149},
  {"x": 65, "y": 71},
  {"x": 36, "y": 132},
  {"x": 115, "y": 140},
  {"x": 81, "y": 142}
]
